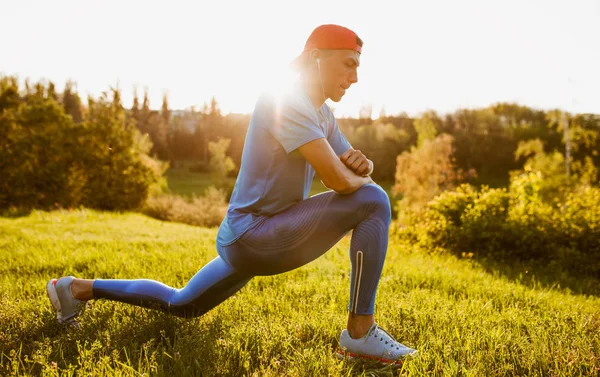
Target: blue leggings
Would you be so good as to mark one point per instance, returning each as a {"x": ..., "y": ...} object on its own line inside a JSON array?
[{"x": 281, "y": 243}]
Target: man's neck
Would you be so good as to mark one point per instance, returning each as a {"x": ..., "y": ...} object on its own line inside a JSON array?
[{"x": 314, "y": 90}]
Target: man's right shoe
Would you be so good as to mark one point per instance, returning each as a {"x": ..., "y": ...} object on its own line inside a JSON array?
[
  {"x": 67, "y": 307},
  {"x": 376, "y": 344}
]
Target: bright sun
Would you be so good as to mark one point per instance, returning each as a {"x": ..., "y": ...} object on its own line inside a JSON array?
[
  {"x": 276, "y": 80},
  {"x": 240, "y": 93}
]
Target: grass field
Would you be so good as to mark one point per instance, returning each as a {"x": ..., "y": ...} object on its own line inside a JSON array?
[
  {"x": 186, "y": 183},
  {"x": 463, "y": 320}
]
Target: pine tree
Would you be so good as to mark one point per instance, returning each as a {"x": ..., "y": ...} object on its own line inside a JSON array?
[
  {"x": 135, "y": 108},
  {"x": 211, "y": 121},
  {"x": 144, "y": 113},
  {"x": 72, "y": 103},
  {"x": 165, "y": 113},
  {"x": 51, "y": 92}
]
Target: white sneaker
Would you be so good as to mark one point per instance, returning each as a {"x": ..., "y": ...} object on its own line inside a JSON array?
[
  {"x": 376, "y": 344},
  {"x": 67, "y": 307}
]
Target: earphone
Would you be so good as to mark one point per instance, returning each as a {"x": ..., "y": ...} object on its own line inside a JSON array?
[{"x": 320, "y": 79}]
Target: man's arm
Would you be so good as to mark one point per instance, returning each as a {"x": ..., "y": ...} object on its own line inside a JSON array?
[{"x": 333, "y": 172}]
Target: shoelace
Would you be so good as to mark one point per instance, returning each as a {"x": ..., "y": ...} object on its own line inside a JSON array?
[{"x": 388, "y": 338}]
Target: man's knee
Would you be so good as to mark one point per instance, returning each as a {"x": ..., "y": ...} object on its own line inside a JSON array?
[{"x": 375, "y": 197}]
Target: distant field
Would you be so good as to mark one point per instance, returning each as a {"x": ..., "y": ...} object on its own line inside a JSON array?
[
  {"x": 464, "y": 320},
  {"x": 183, "y": 182},
  {"x": 186, "y": 183}
]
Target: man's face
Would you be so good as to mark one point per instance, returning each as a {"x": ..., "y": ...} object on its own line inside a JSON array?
[{"x": 338, "y": 72}]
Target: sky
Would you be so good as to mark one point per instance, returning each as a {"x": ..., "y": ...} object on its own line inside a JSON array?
[{"x": 418, "y": 55}]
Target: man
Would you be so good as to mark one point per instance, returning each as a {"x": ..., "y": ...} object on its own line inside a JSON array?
[{"x": 272, "y": 226}]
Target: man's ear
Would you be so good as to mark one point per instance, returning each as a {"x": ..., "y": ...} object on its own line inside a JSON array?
[{"x": 315, "y": 54}]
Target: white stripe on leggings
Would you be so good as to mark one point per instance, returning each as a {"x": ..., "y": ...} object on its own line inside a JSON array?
[{"x": 357, "y": 277}]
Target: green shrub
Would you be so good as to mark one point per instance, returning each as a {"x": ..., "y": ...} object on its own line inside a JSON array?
[
  {"x": 119, "y": 174},
  {"x": 512, "y": 225},
  {"x": 48, "y": 161},
  {"x": 36, "y": 148}
]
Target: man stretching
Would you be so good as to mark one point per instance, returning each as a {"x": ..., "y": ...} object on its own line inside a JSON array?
[{"x": 272, "y": 226}]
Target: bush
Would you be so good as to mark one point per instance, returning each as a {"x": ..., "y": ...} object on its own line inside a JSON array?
[
  {"x": 426, "y": 171},
  {"x": 208, "y": 210},
  {"x": 36, "y": 148},
  {"x": 48, "y": 161},
  {"x": 117, "y": 172},
  {"x": 513, "y": 225}
]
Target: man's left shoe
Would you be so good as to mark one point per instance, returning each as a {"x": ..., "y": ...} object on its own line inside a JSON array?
[{"x": 67, "y": 307}]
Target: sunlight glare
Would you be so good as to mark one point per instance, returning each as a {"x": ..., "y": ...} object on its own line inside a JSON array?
[{"x": 276, "y": 80}]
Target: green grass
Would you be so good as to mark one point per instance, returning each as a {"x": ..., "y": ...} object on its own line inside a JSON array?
[
  {"x": 463, "y": 320},
  {"x": 183, "y": 182}
]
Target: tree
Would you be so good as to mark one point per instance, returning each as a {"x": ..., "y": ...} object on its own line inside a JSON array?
[
  {"x": 381, "y": 143},
  {"x": 51, "y": 91},
  {"x": 365, "y": 112},
  {"x": 48, "y": 161},
  {"x": 221, "y": 165},
  {"x": 165, "y": 113},
  {"x": 181, "y": 141},
  {"x": 211, "y": 121},
  {"x": 143, "y": 114},
  {"x": 557, "y": 183},
  {"x": 36, "y": 147},
  {"x": 119, "y": 173},
  {"x": 426, "y": 127},
  {"x": 135, "y": 108},
  {"x": 425, "y": 172},
  {"x": 580, "y": 137},
  {"x": 72, "y": 103}
]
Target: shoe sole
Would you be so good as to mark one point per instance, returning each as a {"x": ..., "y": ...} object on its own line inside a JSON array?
[
  {"x": 53, "y": 296},
  {"x": 353, "y": 356}
]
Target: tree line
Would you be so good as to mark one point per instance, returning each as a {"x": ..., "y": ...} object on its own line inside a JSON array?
[
  {"x": 36, "y": 119},
  {"x": 484, "y": 140}
]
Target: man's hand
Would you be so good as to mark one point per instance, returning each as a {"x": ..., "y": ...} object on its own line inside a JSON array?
[{"x": 356, "y": 161}]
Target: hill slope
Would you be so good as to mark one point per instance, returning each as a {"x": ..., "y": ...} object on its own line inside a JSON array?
[{"x": 463, "y": 320}]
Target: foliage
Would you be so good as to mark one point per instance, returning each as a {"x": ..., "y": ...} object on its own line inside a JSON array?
[
  {"x": 484, "y": 139},
  {"x": 48, "y": 160},
  {"x": 513, "y": 225},
  {"x": 556, "y": 182},
  {"x": 382, "y": 142},
  {"x": 551, "y": 165},
  {"x": 221, "y": 164},
  {"x": 427, "y": 127},
  {"x": 37, "y": 148},
  {"x": 123, "y": 173},
  {"x": 425, "y": 172}
]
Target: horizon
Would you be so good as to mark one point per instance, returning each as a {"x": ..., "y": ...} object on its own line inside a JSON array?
[{"x": 464, "y": 55}]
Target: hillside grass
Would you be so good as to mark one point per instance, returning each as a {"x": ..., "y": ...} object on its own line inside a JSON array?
[{"x": 463, "y": 320}]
